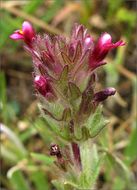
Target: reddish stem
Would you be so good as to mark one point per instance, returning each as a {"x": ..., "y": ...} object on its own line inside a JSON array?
[{"x": 76, "y": 153}]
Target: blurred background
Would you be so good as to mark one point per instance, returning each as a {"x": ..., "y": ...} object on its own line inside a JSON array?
[{"x": 23, "y": 131}]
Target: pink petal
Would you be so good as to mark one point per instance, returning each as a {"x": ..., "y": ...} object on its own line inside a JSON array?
[
  {"x": 119, "y": 43},
  {"x": 16, "y": 36},
  {"x": 28, "y": 30},
  {"x": 104, "y": 39},
  {"x": 26, "y": 26}
]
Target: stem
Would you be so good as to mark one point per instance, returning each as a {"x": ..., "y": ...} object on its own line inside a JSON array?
[{"x": 76, "y": 153}]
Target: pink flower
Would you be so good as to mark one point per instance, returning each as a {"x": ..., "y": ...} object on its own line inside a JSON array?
[
  {"x": 40, "y": 83},
  {"x": 101, "y": 49},
  {"x": 27, "y": 33}
]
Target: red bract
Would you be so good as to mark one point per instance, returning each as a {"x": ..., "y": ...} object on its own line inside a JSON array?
[
  {"x": 101, "y": 49},
  {"x": 27, "y": 33},
  {"x": 54, "y": 55}
]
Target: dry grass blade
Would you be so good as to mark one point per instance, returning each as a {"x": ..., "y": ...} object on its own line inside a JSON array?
[
  {"x": 120, "y": 100},
  {"x": 125, "y": 125},
  {"x": 65, "y": 12},
  {"x": 126, "y": 73},
  {"x": 14, "y": 3}
]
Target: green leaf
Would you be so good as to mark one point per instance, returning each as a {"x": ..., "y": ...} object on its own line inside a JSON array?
[
  {"x": 31, "y": 7},
  {"x": 74, "y": 91},
  {"x": 111, "y": 68},
  {"x": 68, "y": 185},
  {"x": 47, "y": 160},
  {"x": 52, "y": 10},
  {"x": 14, "y": 140},
  {"x": 78, "y": 52},
  {"x": 8, "y": 25},
  {"x": 59, "y": 185},
  {"x": 120, "y": 167},
  {"x": 113, "y": 6},
  {"x": 65, "y": 185},
  {"x": 131, "y": 149},
  {"x": 91, "y": 164},
  {"x": 66, "y": 115},
  {"x": 85, "y": 133},
  {"x": 112, "y": 74},
  {"x": 55, "y": 127},
  {"x": 127, "y": 16},
  {"x": 119, "y": 184},
  {"x": 17, "y": 179},
  {"x": 74, "y": 95},
  {"x": 43, "y": 130},
  {"x": 28, "y": 133},
  {"x": 8, "y": 155},
  {"x": 61, "y": 83},
  {"x": 55, "y": 109},
  {"x": 96, "y": 122},
  {"x": 66, "y": 59},
  {"x": 87, "y": 8},
  {"x": 40, "y": 180},
  {"x": 3, "y": 97}
]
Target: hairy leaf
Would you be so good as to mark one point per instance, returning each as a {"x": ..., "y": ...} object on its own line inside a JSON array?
[
  {"x": 74, "y": 91},
  {"x": 96, "y": 122},
  {"x": 91, "y": 164}
]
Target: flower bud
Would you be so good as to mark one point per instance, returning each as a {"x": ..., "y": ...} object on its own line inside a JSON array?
[
  {"x": 102, "y": 95},
  {"x": 104, "y": 40},
  {"x": 88, "y": 42},
  {"x": 41, "y": 84},
  {"x": 103, "y": 46}
]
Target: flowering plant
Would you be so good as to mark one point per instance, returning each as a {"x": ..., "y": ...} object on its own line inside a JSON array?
[{"x": 64, "y": 81}]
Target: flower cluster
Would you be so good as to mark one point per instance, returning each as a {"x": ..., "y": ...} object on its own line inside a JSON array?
[
  {"x": 64, "y": 80},
  {"x": 65, "y": 72}
]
